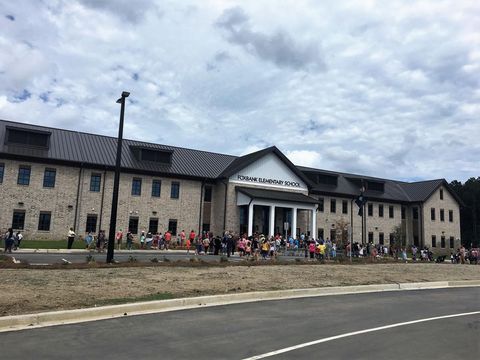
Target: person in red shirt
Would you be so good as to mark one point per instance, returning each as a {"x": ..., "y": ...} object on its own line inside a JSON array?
[
  {"x": 182, "y": 238},
  {"x": 119, "y": 237},
  {"x": 168, "y": 237}
]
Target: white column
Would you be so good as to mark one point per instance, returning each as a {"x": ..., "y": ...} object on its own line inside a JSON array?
[
  {"x": 250, "y": 219},
  {"x": 271, "y": 231},
  {"x": 294, "y": 222},
  {"x": 314, "y": 223}
]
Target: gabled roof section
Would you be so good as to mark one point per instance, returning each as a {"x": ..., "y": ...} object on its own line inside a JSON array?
[
  {"x": 420, "y": 191},
  {"x": 243, "y": 161}
]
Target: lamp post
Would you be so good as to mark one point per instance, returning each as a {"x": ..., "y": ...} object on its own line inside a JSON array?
[{"x": 116, "y": 181}]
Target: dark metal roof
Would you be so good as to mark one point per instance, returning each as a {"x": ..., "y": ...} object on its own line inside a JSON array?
[
  {"x": 78, "y": 147},
  {"x": 255, "y": 193}
]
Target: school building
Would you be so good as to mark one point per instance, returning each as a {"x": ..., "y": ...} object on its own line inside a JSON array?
[{"x": 53, "y": 179}]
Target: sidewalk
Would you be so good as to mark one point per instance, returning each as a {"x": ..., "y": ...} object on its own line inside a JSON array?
[{"x": 85, "y": 251}]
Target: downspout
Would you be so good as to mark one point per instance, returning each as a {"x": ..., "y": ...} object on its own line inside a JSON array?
[
  {"x": 78, "y": 197},
  {"x": 201, "y": 207},
  {"x": 101, "y": 201},
  {"x": 225, "y": 207}
]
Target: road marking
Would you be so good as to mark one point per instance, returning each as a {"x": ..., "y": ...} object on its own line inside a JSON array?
[{"x": 319, "y": 341}]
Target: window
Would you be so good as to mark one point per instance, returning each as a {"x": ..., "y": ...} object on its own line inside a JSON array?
[
  {"x": 415, "y": 213},
  {"x": 442, "y": 242},
  {"x": 160, "y": 156},
  {"x": 49, "y": 178},
  {"x": 207, "y": 196},
  {"x": 432, "y": 214},
  {"x": 18, "y": 220},
  {"x": 24, "y": 175},
  {"x": 370, "y": 209},
  {"x": 370, "y": 237},
  {"x": 391, "y": 213},
  {"x": 136, "y": 187},
  {"x": 441, "y": 194},
  {"x": 452, "y": 242},
  {"x": 156, "y": 188},
  {"x": 133, "y": 225},
  {"x": 44, "y": 221},
  {"x": 95, "y": 181},
  {"x": 2, "y": 170},
  {"x": 403, "y": 213},
  {"x": 172, "y": 226},
  {"x": 320, "y": 233},
  {"x": 175, "y": 190},
  {"x": 333, "y": 234},
  {"x": 206, "y": 227},
  {"x": 320, "y": 204},
  {"x": 442, "y": 215},
  {"x": 153, "y": 225},
  {"x": 333, "y": 205},
  {"x": 91, "y": 225},
  {"x": 381, "y": 238},
  {"x": 450, "y": 215},
  {"x": 344, "y": 207},
  {"x": 434, "y": 241},
  {"x": 380, "y": 210},
  {"x": 391, "y": 238}
]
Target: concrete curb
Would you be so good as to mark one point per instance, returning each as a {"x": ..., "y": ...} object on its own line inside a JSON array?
[{"x": 29, "y": 321}]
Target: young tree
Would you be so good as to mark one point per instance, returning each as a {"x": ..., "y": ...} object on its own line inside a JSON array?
[
  {"x": 399, "y": 237},
  {"x": 341, "y": 236}
]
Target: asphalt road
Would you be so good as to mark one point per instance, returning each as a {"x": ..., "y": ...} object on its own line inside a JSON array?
[{"x": 244, "y": 330}]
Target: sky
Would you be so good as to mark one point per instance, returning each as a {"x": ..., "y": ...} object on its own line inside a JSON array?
[{"x": 380, "y": 88}]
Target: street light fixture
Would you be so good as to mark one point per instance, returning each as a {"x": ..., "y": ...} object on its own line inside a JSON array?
[{"x": 116, "y": 181}]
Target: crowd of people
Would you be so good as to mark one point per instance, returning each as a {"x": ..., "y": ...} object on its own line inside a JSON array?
[{"x": 257, "y": 246}]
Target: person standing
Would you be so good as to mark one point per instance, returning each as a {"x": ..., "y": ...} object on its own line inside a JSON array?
[
  {"x": 9, "y": 240},
  {"x": 182, "y": 238},
  {"x": 118, "y": 238},
  {"x": 70, "y": 238},
  {"x": 129, "y": 240}
]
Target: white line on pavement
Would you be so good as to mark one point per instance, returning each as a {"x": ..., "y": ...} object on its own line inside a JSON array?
[{"x": 319, "y": 341}]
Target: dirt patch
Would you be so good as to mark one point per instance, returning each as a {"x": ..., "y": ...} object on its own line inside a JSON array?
[{"x": 35, "y": 290}]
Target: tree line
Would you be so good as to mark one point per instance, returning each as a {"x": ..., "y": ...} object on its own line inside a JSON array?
[{"x": 469, "y": 192}]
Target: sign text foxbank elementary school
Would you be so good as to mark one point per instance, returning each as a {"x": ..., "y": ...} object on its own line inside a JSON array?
[
  {"x": 53, "y": 179},
  {"x": 268, "y": 181}
]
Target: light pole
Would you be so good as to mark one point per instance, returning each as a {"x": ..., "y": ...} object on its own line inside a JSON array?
[{"x": 116, "y": 181}]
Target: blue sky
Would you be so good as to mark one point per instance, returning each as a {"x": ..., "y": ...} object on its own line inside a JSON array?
[{"x": 381, "y": 88}]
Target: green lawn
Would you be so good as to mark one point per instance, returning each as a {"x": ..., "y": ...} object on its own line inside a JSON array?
[{"x": 51, "y": 244}]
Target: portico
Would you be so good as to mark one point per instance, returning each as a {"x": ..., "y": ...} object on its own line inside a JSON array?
[{"x": 275, "y": 211}]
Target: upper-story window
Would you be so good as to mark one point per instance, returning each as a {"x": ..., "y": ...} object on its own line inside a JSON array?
[
  {"x": 391, "y": 213},
  {"x": 344, "y": 207},
  {"x": 380, "y": 210},
  {"x": 320, "y": 204},
  {"x": 24, "y": 175},
  {"x": 207, "y": 196},
  {"x": 450, "y": 215},
  {"x": 415, "y": 213},
  {"x": 95, "y": 180},
  {"x": 432, "y": 214},
  {"x": 49, "y": 178},
  {"x": 156, "y": 188},
  {"x": 137, "y": 186},
  {"x": 441, "y": 194},
  {"x": 175, "y": 190},
  {"x": 333, "y": 205},
  {"x": 370, "y": 209},
  {"x": 2, "y": 170},
  {"x": 442, "y": 215}
]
